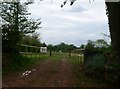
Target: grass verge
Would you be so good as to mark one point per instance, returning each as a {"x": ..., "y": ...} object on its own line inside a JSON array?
[{"x": 18, "y": 62}]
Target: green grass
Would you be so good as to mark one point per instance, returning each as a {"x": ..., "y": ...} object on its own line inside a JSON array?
[
  {"x": 27, "y": 61},
  {"x": 77, "y": 70},
  {"x": 22, "y": 62},
  {"x": 86, "y": 79}
]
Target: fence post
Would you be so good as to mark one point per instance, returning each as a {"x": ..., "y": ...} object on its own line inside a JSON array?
[
  {"x": 26, "y": 50},
  {"x": 39, "y": 52},
  {"x": 50, "y": 52},
  {"x": 69, "y": 53},
  {"x": 31, "y": 52}
]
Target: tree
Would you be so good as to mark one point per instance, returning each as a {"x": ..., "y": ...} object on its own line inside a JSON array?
[
  {"x": 72, "y": 47},
  {"x": 65, "y": 47},
  {"x": 114, "y": 20},
  {"x": 62, "y": 46},
  {"x": 90, "y": 44},
  {"x": 50, "y": 46},
  {"x": 82, "y": 46},
  {"x": 16, "y": 24},
  {"x": 43, "y": 44},
  {"x": 32, "y": 40},
  {"x": 100, "y": 43}
]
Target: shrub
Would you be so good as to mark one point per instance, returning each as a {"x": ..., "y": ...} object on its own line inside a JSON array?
[
  {"x": 113, "y": 71},
  {"x": 16, "y": 62},
  {"x": 95, "y": 62}
]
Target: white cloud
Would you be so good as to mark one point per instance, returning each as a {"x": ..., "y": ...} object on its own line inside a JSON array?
[{"x": 71, "y": 24}]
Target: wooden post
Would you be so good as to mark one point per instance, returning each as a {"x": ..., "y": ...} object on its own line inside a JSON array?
[
  {"x": 31, "y": 52},
  {"x": 82, "y": 56},
  {"x": 26, "y": 50},
  {"x": 50, "y": 52},
  {"x": 39, "y": 52},
  {"x": 69, "y": 53},
  {"x": 78, "y": 57}
]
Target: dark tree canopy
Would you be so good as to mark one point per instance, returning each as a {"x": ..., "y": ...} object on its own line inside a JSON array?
[
  {"x": 32, "y": 40},
  {"x": 61, "y": 47},
  {"x": 16, "y": 23}
]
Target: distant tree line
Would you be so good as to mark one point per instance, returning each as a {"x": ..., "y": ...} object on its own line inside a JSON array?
[{"x": 61, "y": 47}]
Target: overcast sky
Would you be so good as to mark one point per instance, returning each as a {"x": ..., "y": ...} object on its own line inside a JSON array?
[{"x": 71, "y": 24}]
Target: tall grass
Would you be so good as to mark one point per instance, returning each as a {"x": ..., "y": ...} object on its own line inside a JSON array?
[{"x": 21, "y": 62}]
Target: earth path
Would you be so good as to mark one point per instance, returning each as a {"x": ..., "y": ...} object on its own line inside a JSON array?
[{"x": 47, "y": 74}]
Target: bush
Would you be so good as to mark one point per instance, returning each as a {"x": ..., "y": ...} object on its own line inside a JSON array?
[
  {"x": 16, "y": 62},
  {"x": 95, "y": 62},
  {"x": 113, "y": 72}
]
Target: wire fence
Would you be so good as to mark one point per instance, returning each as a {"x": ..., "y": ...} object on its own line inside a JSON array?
[
  {"x": 36, "y": 51},
  {"x": 32, "y": 51}
]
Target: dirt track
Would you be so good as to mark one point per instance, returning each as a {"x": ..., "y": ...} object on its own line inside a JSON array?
[
  {"x": 50, "y": 73},
  {"x": 47, "y": 74}
]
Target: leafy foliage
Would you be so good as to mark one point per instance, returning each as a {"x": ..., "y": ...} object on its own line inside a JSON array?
[
  {"x": 32, "y": 40},
  {"x": 82, "y": 46},
  {"x": 101, "y": 43},
  {"x": 90, "y": 45},
  {"x": 96, "y": 62},
  {"x": 43, "y": 44},
  {"x": 50, "y": 46},
  {"x": 113, "y": 74},
  {"x": 17, "y": 24},
  {"x": 61, "y": 47}
]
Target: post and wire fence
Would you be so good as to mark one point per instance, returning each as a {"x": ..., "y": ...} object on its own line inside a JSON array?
[
  {"x": 32, "y": 51},
  {"x": 38, "y": 52},
  {"x": 79, "y": 53}
]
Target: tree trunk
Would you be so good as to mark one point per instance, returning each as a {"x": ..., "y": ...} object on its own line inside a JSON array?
[
  {"x": 113, "y": 12},
  {"x": 113, "y": 66}
]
